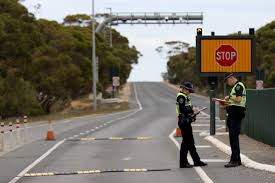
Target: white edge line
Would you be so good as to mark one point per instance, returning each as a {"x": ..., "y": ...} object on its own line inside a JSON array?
[
  {"x": 203, "y": 146},
  {"x": 245, "y": 160},
  {"x": 23, "y": 172},
  {"x": 203, "y": 125},
  {"x": 207, "y": 133},
  {"x": 204, "y": 177},
  {"x": 215, "y": 160},
  {"x": 135, "y": 90}
]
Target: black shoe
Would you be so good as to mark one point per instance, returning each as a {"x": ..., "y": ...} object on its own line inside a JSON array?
[
  {"x": 200, "y": 163},
  {"x": 232, "y": 164},
  {"x": 186, "y": 165}
]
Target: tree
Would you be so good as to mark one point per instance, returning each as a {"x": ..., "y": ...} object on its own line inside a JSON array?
[
  {"x": 266, "y": 52},
  {"x": 50, "y": 62},
  {"x": 78, "y": 19},
  {"x": 176, "y": 52},
  {"x": 17, "y": 97}
]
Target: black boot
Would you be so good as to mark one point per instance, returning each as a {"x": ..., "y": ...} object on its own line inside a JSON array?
[
  {"x": 200, "y": 163},
  {"x": 232, "y": 164},
  {"x": 186, "y": 165}
]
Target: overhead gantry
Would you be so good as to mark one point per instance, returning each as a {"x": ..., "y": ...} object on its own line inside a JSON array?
[{"x": 151, "y": 18}]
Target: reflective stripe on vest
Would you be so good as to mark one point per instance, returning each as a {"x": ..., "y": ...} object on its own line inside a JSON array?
[
  {"x": 233, "y": 93},
  {"x": 187, "y": 102}
]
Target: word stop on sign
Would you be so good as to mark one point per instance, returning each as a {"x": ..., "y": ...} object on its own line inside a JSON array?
[{"x": 226, "y": 55}]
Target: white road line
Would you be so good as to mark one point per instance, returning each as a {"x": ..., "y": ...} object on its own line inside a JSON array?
[
  {"x": 88, "y": 131},
  {"x": 101, "y": 116},
  {"x": 198, "y": 131},
  {"x": 223, "y": 127},
  {"x": 215, "y": 160},
  {"x": 71, "y": 120},
  {"x": 204, "y": 177},
  {"x": 202, "y": 146},
  {"x": 23, "y": 172},
  {"x": 205, "y": 133},
  {"x": 75, "y": 135},
  {"x": 81, "y": 133},
  {"x": 92, "y": 129},
  {"x": 36, "y": 126},
  {"x": 139, "y": 104},
  {"x": 199, "y": 124}
]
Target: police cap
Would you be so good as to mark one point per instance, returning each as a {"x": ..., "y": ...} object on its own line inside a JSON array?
[
  {"x": 188, "y": 86},
  {"x": 227, "y": 75}
]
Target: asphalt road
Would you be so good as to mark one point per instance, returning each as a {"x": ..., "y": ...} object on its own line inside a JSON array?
[{"x": 153, "y": 116}]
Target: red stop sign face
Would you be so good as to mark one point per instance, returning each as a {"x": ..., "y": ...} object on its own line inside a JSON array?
[{"x": 226, "y": 55}]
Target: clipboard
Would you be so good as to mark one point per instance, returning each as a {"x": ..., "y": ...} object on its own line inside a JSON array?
[
  {"x": 202, "y": 109},
  {"x": 220, "y": 101}
]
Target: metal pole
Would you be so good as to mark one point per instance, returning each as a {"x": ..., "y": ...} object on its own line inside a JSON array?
[
  {"x": 212, "y": 108},
  {"x": 111, "y": 36},
  {"x": 224, "y": 94},
  {"x": 94, "y": 58}
]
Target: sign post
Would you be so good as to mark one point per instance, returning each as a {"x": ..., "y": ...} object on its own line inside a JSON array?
[
  {"x": 116, "y": 83},
  {"x": 213, "y": 84}
]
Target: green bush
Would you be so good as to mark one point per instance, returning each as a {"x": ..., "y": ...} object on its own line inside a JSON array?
[{"x": 17, "y": 97}]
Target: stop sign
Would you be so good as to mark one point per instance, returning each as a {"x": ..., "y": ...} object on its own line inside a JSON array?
[{"x": 226, "y": 55}]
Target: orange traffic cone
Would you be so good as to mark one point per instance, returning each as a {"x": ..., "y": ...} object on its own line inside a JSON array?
[
  {"x": 50, "y": 133},
  {"x": 178, "y": 132}
]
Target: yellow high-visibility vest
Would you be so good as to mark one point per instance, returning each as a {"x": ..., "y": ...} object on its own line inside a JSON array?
[
  {"x": 233, "y": 94},
  {"x": 187, "y": 102}
]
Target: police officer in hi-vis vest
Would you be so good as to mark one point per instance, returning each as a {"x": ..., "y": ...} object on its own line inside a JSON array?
[
  {"x": 185, "y": 113},
  {"x": 236, "y": 112}
]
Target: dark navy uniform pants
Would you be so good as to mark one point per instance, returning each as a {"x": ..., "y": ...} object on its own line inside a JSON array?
[
  {"x": 187, "y": 144},
  {"x": 234, "y": 127}
]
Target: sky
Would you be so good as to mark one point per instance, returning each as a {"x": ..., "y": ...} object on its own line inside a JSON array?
[{"x": 221, "y": 16}]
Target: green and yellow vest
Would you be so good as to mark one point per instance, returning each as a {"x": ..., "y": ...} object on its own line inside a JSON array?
[
  {"x": 233, "y": 94},
  {"x": 187, "y": 102}
]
